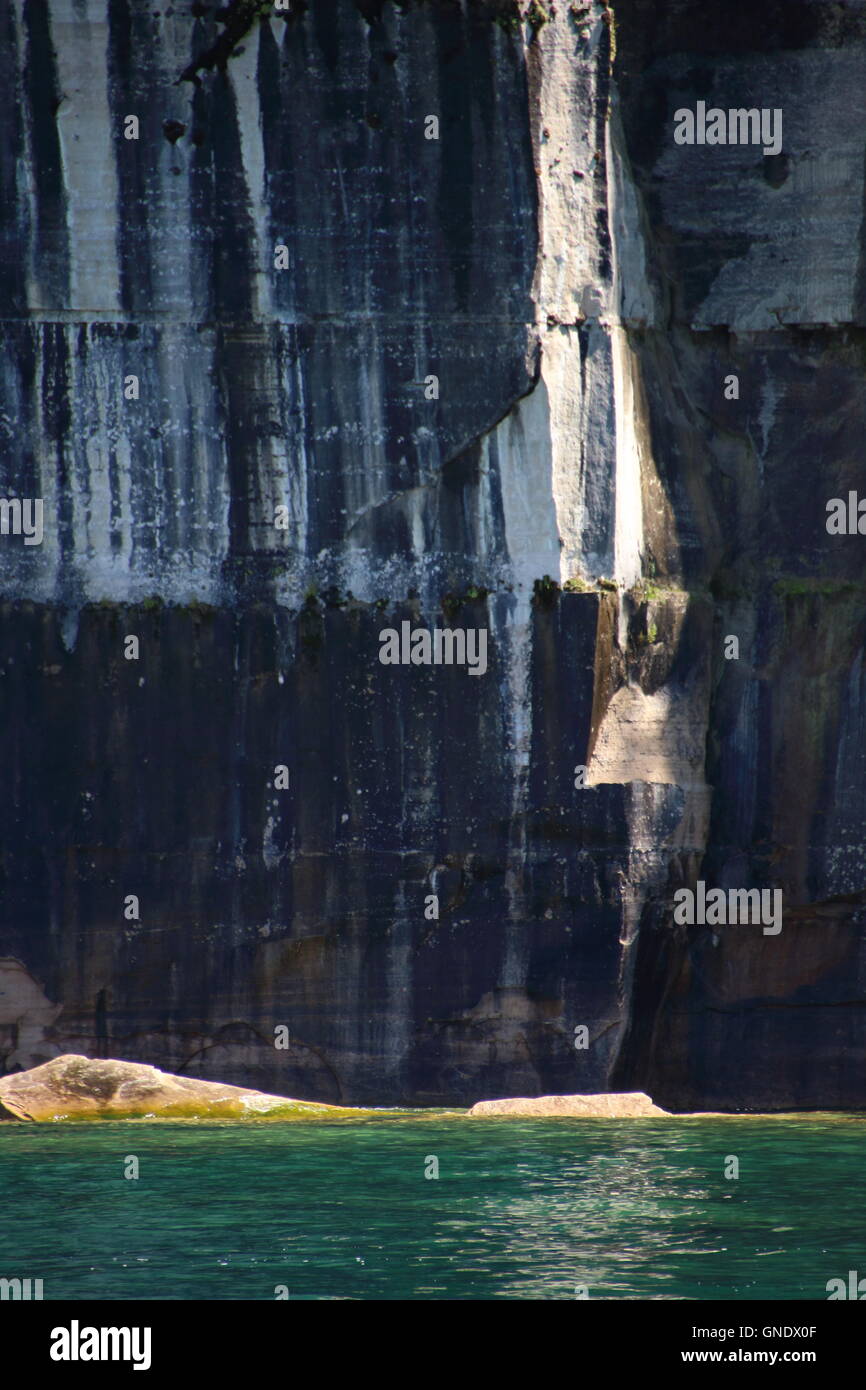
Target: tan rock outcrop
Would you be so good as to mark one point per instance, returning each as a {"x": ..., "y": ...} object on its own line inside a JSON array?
[
  {"x": 615, "y": 1105},
  {"x": 73, "y": 1087}
]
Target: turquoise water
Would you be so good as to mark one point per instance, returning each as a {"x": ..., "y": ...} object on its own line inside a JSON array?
[{"x": 531, "y": 1210}]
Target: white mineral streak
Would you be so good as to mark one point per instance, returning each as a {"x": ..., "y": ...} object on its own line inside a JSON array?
[
  {"x": 563, "y": 96},
  {"x": 243, "y": 71},
  {"x": 87, "y": 146},
  {"x": 136, "y": 521},
  {"x": 145, "y": 515},
  {"x": 572, "y": 456},
  {"x": 277, "y": 472},
  {"x": 538, "y": 445}
]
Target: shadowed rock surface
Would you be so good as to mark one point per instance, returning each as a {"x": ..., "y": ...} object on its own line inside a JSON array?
[{"x": 581, "y": 287}]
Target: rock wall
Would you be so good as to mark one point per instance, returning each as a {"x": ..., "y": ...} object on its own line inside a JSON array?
[{"x": 286, "y": 372}]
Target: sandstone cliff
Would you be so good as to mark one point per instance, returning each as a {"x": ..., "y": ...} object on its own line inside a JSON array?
[{"x": 580, "y": 288}]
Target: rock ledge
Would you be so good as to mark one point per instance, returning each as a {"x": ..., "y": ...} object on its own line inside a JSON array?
[
  {"x": 615, "y": 1105},
  {"x": 73, "y": 1087}
]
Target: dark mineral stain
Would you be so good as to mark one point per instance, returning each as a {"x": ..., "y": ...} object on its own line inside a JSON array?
[
  {"x": 173, "y": 130},
  {"x": 776, "y": 168}
]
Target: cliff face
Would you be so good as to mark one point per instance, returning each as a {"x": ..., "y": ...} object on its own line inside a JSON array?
[
  {"x": 757, "y": 262},
  {"x": 285, "y": 372}
]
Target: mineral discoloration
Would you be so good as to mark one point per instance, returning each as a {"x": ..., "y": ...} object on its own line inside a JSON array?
[{"x": 581, "y": 287}]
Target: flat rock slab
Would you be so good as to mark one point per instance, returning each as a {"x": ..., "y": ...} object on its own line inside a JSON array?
[
  {"x": 622, "y": 1105},
  {"x": 73, "y": 1087}
]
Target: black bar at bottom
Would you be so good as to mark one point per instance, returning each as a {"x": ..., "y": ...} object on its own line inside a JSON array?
[{"x": 253, "y": 1340}]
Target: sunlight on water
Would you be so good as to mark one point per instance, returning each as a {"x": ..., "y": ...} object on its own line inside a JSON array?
[{"x": 630, "y": 1209}]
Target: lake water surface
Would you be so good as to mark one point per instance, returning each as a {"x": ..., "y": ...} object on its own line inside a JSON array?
[{"x": 521, "y": 1209}]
